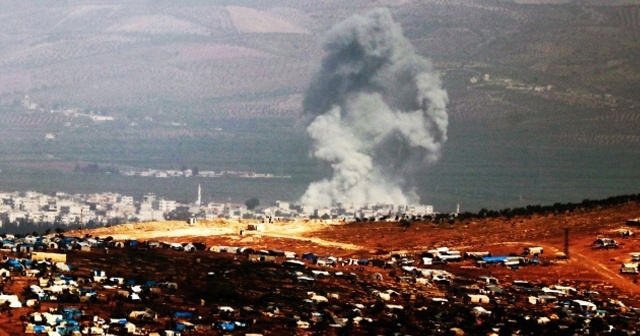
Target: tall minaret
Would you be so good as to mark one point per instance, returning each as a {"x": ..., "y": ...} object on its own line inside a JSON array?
[{"x": 199, "y": 201}]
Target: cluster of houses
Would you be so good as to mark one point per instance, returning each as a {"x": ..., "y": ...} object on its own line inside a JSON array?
[
  {"x": 394, "y": 288},
  {"x": 105, "y": 208},
  {"x": 65, "y": 209},
  {"x": 166, "y": 173}
]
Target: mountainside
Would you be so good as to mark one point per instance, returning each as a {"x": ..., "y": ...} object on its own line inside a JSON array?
[
  {"x": 376, "y": 239},
  {"x": 542, "y": 94},
  {"x": 117, "y": 55}
]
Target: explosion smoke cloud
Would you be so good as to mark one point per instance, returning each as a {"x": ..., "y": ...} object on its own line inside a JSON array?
[{"x": 379, "y": 113}]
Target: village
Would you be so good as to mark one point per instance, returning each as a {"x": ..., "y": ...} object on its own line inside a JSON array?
[
  {"x": 62, "y": 209},
  {"x": 167, "y": 173},
  {"x": 252, "y": 278}
]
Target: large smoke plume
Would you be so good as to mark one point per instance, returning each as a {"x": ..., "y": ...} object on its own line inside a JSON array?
[{"x": 379, "y": 114}]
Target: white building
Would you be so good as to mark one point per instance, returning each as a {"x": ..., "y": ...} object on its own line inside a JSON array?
[{"x": 165, "y": 206}]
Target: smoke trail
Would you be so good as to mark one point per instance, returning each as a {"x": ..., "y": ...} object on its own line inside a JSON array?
[{"x": 379, "y": 113}]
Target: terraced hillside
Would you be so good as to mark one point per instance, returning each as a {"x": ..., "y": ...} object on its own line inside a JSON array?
[{"x": 122, "y": 55}]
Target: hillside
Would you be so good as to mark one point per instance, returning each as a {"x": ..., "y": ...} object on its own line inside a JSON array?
[
  {"x": 367, "y": 240},
  {"x": 196, "y": 53},
  {"x": 356, "y": 279},
  {"x": 542, "y": 94}
]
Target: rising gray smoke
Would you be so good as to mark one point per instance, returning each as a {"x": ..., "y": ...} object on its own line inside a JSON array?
[{"x": 379, "y": 114}]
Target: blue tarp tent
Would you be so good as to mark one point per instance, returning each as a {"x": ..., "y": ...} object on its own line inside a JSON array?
[
  {"x": 71, "y": 313},
  {"x": 227, "y": 326},
  {"x": 121, "y": 321},
  {"x": 183, "y": 314},
  {"x": 494, "y": 260},
  {"x": 15, "y": 264},
  {"x": 310, "y": 256}
]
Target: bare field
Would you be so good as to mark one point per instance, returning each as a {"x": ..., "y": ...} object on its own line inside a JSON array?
[{"x": 249, "y": 20}]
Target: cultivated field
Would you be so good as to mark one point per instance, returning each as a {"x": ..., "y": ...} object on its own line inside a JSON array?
[{"x": 222, "y": 87}]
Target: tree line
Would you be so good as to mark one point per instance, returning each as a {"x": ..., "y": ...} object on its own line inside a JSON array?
[
  {"x": 526, "y": 211},
  {"x": 556, "y": 208}
]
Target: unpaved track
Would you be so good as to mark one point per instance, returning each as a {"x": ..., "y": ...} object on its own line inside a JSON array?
[
  {"x": 614, "y": 278},
  {"x": 617, "y": 280}
]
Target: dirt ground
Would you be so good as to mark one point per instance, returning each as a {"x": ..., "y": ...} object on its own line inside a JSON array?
[{"x": 586, "y": 266}]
